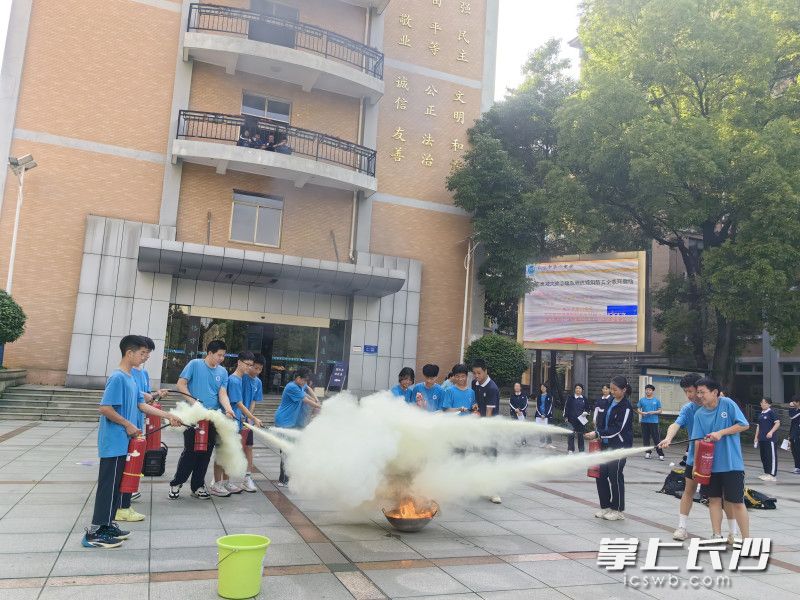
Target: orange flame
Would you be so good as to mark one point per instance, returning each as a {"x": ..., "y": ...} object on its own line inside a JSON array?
[{"x": 408, "y": 510}]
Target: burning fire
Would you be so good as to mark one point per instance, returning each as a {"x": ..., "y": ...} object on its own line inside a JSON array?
[{"x": 408, "y": 510}]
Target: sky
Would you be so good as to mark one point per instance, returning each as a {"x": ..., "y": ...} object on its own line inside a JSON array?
[{"x": 525, "y": 25}]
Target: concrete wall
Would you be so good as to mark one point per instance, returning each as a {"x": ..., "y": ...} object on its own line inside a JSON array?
[
  {"x": 391, "y": 323},
  {"x": 116, "y": 299}
]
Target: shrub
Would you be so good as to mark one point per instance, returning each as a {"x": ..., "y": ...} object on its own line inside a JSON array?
[
  {"x": 12, "y": 319},
  {"x": 506, "y": 359}
]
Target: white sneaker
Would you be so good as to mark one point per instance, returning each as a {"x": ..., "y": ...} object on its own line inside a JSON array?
[
  {"x": 496, "y": 499},
  {"x": 680, "y": 534},
  {"x": 553, "y": 448},
  {"x": 248, "y": 485},
  {"x": 769, "y": 478},
  {"x": 570, "y": 452},
  {"x": 763, "y": 477},
  {"x": 200, "y": 493},
  {"x": 232, "y": 487},
  {"x": 218, "y": 489},
  {"x": 614, "y": 515},
  {"x": 647, "y": 455},
  {"x": 796, "y": 471},
  {"x": 732, "y": 539},
  {"x": 602, "y": 513},
  {"x": 660, "y": 457}
]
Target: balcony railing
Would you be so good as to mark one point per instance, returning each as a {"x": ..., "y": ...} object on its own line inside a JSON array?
[
  {"x": 285, "y": 32},
  {"x": 311, "y": 144}
]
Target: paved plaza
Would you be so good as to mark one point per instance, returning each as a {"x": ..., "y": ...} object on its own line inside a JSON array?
[{"x": 540, "y": 543}]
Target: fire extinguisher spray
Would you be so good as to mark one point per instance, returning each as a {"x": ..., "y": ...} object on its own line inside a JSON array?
[{"x": 703, "y": 461}]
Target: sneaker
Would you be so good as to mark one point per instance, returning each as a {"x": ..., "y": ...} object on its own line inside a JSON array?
[
  {"x": 496, "y": 500},
  {"x": 218, "y": 489},
  {"x": 100, "y": 539},
  {"x": 282, "y": 483},
  {"x": 680, "y": 534},
  {"x": 570, "y": 452},
  {"x": 128, "y": 514},
  {"x": 116, "y": 532},
  {"x": 796, "y": 471},
  {"x": 733, "y": 539},
  {"x": 660, "y": 457},
  {"x": 768, "y": 477},
  {"x": 136, "y": 496},
  {"x": 232, "y": 487},
  {"x": 763, "y": 477},
  {"x": 647, "y": 455},
  {"x": 174, "y": 491},
  {"x": 602, "y": 513},
  {"x": 248, "y": 485},
  {"x": 201, "y": 493},
  {"x": 614, "y": 515},
  {"x": 551, "y": 446}
]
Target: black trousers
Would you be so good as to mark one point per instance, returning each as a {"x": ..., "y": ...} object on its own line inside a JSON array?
[
  {"x": 283, "y": 476},
  {"x": 611, "y": 485},
  {"x": 769, "y": 456},
  {"x": 107, "y": 497},
  {"x": 194, "y": 463},
  {"x": 576, "y": 432},
  {"x": 651, "y": 436},
  {"x": 795, "y": 441}
]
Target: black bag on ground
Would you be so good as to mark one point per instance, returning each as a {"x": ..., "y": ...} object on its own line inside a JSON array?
[
  {"x": 155, "y": 462},
  {"x": 755, "y": 499},
  {"x": 674, "y": 484}
]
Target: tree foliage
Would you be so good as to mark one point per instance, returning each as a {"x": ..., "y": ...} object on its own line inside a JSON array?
[
  {"x": 506, "y": 360},
  {"x": 684, "y": 129},
  {"x": 12, "y": 319}
]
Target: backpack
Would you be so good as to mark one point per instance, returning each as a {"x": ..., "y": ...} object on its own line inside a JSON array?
[
  {"x": 755, "y": 499},
  {"x": 674, "y": 484},
  {"x": 155, "y": 462}
]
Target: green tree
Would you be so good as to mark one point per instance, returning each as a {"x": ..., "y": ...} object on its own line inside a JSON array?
[
  {"x": 685, "y": 131},
  {"x": 12, "y": 319},
  {"x": 506, "y": 359}
]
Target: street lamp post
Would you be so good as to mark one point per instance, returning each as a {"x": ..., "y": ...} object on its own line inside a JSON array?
[
  {"x": 468, "y": 259},
  {"x": 19, "y": 166}
]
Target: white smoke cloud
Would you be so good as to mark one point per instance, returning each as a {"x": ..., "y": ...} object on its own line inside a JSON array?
[{"x": 377, "y": 450}]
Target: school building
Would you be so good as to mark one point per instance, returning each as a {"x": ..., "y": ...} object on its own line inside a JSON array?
[{"x": 269, "y": 173}]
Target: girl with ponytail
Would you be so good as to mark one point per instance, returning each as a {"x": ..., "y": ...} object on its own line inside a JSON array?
[{"x": 615, "y": 430}]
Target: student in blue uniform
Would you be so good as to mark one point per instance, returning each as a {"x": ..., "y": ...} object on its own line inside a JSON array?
[
  {"x": 459, "y": 397},
  {"x": 544, "y": 412},
  {"x": 648, "y": 410},
  {"x": 239, "y": 395},
  {"x": 119, "y": 417},
  {"x": 125, "y": 512},
  {"x": 685, "y": 420},
  {"x": 207, "y": 380},
  {"x": 256, "y": 387},
  {"x": 574, "y": 407},
  {"x": 291, "y": 413},
  {"x": 721, "y": 420},
  {"x": 794, "y": 431},
  {"x": 429, "y": 394},
  {"x": 615, "y": 431},
  {"x": 405, "y": 385},
  {"x": 766, "y": 428}
]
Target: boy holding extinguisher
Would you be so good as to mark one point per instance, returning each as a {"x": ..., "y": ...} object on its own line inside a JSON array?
[
  {"x": 119, "y": 409},
  {"x": 720, "y": 420}
]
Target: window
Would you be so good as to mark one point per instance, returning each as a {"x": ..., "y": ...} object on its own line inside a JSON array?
[
  {"x": 274, "y": 32},
  {"x": 260, "y": 106},
  {"x": 274, "y": 9},
  {"x": 256, "y": 219}
]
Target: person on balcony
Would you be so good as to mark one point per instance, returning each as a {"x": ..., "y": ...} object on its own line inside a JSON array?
[
  {"x": 245, "y": 139},
  {"x": 267, "y": 142},
  {"x": 283, "y": 147}
]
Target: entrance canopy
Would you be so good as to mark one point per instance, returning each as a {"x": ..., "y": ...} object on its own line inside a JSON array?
[{"x": 245, "y": 267}]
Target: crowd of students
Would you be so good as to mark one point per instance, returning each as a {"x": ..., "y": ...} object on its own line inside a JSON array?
[{"x": 127, "y": 399}]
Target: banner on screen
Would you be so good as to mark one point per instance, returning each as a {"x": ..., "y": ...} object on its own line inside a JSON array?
[{"x": 586, "y": 303}]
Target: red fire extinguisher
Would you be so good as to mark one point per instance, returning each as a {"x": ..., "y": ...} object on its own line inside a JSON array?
[
  {"x": 133, "y": 466},
  {"x": 594, "y": 470},
  {"x": 245, "y": 433},
  {"x": 153, "y": 430},
  {"x": 201, "y": 436},
  {"x": 703, "y": 461}
]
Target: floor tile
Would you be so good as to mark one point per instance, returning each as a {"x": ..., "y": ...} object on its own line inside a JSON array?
[{"x": 414, "y": 582}]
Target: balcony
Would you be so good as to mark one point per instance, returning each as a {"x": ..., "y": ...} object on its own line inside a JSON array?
[
  {"x": 378, "y": 5},
  {"x": 212, "y": 139},
  {"x": 283, "y": 49}
]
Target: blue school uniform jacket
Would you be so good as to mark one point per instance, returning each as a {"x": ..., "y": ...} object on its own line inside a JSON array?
[{"x": 615, "y": 426}]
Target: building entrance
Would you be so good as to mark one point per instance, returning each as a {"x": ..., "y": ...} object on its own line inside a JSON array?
[{"x": 285, "y": 347}]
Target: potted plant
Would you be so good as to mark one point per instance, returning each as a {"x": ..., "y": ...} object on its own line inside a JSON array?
[{"x": 12, "y": 321}]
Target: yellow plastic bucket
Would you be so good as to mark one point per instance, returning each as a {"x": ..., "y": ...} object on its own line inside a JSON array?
[{"x": 240, "y": 560}]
